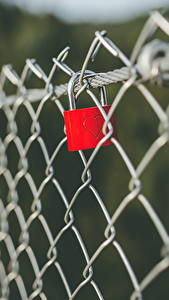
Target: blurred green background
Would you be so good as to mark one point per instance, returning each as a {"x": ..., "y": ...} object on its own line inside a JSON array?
[{"x": 22, "y": 36}]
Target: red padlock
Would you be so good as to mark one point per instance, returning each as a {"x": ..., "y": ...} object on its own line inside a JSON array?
[{"x": 84, "y": 126}]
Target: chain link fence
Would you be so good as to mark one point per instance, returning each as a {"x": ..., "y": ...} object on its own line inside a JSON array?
[{"x": 64, "y": 233}]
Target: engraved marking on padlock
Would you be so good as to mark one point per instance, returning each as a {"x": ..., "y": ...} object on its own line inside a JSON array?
[{"x": 89, "y": 124}]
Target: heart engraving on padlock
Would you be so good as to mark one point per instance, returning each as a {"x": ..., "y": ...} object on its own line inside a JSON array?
[{"x": 94, "y": 124}]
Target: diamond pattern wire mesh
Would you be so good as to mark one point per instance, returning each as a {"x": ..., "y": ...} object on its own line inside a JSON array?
[{"x": 56, "y": 225}]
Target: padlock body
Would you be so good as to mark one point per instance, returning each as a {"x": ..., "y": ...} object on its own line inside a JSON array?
[{"x": 84, "y": 127}]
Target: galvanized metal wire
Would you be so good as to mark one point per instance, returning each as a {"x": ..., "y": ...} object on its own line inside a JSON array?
[{"x": 132, "y": 74}]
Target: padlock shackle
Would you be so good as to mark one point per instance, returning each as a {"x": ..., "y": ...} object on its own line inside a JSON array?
[{"x": 70, "y": 90}]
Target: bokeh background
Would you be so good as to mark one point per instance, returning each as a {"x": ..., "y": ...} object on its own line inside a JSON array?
[{"x": 40, "y": 30}]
